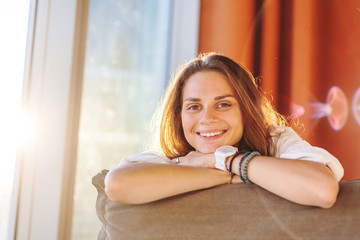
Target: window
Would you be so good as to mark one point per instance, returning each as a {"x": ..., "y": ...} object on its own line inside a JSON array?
[
  {"x": 124, "y": 75},
  {"x": 127, "y": 61},
  {"x": 118, "y": 78}
]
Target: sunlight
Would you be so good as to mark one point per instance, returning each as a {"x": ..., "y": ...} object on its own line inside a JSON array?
[
  {"x": 15, "y": 126},
  {"x": 19, "y": 128}
]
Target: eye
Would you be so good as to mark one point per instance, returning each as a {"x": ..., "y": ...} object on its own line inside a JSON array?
[
  {"x": 193, "y": 107},
  {"x": 223, "y": 105}
]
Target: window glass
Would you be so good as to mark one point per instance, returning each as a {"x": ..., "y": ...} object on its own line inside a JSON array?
[{"x": 125, "y": 72}]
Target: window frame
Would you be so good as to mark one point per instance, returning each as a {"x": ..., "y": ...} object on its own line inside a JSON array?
[
  {"x": 42, "y": 202},
  {"x": 51, "y": 95}
]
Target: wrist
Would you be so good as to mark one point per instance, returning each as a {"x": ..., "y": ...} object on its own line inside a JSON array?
[
  {"x": 234, "y": 162},
  {"x": 231, "y": 162},
  {"x": 246, "y": 163},
  {"x": 227, "y": 163},
  {"x": 212, "y": 162}
]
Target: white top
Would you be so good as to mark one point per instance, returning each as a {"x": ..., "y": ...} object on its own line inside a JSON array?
[{"x": 287, "y": 144}]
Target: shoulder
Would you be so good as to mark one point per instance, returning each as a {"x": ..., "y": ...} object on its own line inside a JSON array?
[
  {"x": 282, "y": 137},
  {"x": 288, "y": 144},
  {"x": 145, "y": 157}
]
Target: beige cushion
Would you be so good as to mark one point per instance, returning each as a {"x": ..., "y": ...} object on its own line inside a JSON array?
[{"x": 236, "y": 211}]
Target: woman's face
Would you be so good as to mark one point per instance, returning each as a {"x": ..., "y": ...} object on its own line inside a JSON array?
[{"x": 210, "y": 114}]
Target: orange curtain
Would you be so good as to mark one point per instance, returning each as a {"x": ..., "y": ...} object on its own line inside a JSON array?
[
  {"x": 307, "y": 55},
  {"x": 227, "y": 27}
]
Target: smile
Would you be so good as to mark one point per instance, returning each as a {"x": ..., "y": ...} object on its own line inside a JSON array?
[{"x": 210, "y": 134}]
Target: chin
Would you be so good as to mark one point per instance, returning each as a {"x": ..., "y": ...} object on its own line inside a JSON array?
[{"x": 206, "y": 150}]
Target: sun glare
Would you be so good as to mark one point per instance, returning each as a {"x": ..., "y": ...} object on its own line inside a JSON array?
[
  {"x": 15, "y": 126},
  {"x": 21, "y": 129}
]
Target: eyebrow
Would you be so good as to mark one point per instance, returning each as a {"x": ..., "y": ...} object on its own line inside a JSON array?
[
  {"x": 216, "y": 98},
  {"x": 224, "y": 96}
]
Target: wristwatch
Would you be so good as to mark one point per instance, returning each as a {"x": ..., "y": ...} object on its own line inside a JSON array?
[{"x": 221, "y": 154}]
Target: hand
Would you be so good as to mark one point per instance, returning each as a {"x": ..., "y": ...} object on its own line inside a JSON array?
[
  {"x": 235, "y": 179},
  {"x": 197, "y": 159}
]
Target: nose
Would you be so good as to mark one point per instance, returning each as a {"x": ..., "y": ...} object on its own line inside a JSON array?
[{"x": 208, "y": 116}]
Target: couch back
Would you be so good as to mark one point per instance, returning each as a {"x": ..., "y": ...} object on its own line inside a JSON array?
[{"x": 237, "y": 211}]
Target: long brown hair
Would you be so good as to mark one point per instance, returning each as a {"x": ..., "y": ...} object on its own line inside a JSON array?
[{"x": 258, "y": 114}]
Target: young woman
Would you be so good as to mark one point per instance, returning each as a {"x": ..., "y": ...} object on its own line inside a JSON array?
[{"x": 216, "y": 127}]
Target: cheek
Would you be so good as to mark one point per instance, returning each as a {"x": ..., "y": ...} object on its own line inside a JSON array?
[
  {"x": 183, "y": 120},
  {"x": 183, "y": 123},
  {"x": 237, "y": 123},
  {"x": 187, "y": 124}
]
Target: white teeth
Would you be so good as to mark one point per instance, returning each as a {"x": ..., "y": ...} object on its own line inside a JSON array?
[{"x": 212, "y": 134}]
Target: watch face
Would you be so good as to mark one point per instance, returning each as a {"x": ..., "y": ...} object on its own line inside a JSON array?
[
  {"x": 227, "y": 149},
  {"x": 221, "y": 154}
]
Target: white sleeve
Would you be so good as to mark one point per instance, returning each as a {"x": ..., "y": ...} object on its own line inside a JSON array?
[
  {"x": 290, "y": 145},
  {"x": 146, "y": 157}
]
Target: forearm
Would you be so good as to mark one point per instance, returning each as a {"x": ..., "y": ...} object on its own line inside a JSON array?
[
  {"x": 300, "y": 181},
  {"x": 141, "y": 183}
]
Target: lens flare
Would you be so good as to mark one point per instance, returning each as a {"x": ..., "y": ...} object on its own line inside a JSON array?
[
  {"x": 296, "y": 110},
  {"x": 336, "y": 108}
]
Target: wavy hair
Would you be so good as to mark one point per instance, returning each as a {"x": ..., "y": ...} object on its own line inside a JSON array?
[{"x": 257, "y": 112}]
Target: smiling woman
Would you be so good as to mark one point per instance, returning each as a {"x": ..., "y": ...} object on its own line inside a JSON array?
[{"x": 216, "y": 127}]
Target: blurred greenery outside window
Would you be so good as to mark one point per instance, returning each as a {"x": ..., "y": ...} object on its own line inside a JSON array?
[{"x": 125, "y": 72}]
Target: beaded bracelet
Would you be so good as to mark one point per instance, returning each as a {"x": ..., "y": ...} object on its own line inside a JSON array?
[
  {"x": 247, "y": 160},
  {"x": 232, "y": 159},
  {"x": 240, "y": 163}
]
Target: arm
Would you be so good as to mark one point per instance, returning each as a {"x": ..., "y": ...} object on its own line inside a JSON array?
[
  {"x": 146, "y": 182},
  {"x": 300, "y": 181}
]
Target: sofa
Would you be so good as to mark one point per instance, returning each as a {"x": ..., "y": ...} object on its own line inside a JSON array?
[{"x": 232, "y": 211}]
